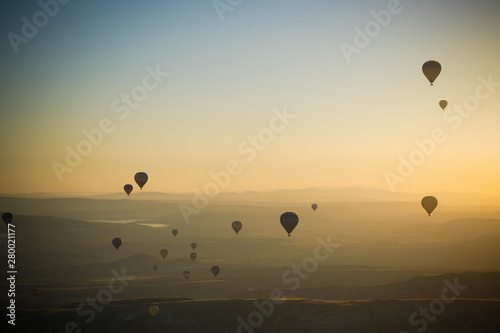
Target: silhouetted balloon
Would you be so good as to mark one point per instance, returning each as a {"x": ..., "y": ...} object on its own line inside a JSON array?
[
  {"x": 314, "y": 207},
  {"x": 429, "y": 203},
  {"x": 7, "y": 218},
  {"x": 117, "y": 242},
  {"x": 128, "y": 188},
  {"x": 186, "y": 274},
  {"x": 443, "y": 104},
  {"x": 431, "y": 70},
  {"x": 193, "y": 256},
  {"x": 193, "y": 246},
  {"x": 163, "y": 253},
  {"x": 35, "y": 292},
  {"x": 289, "y": 221},
  {"x": 153, "y": 310},
  {"x": 236, "y": 225},
  {"x": 174, "y": 232},
  {"x": 155, "y": 267},
  {"x": 215, "y": 270},
  {"x": 141, "y": 179}
]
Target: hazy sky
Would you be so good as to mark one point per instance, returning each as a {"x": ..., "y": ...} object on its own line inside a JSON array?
[{"x": 353, "y": 119}]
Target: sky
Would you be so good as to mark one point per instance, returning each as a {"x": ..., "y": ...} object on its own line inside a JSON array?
[{"x": 222, "y": 73}]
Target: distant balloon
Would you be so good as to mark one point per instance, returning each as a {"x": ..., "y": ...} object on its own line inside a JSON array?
[
  {"x": 193, "y": 246},
  {"x": 215, "y": 270},
  {"x": 7, "y": 218},
  {"x": 443, "y": 104},
  {"x": 141, "y": 179},
  {"x": 193, "y": 256},
  {"x": 174, "y": 232},
  {"x": 128, "y": 188},
  {"x": 155, "y": 267},
  {"x": 186, "y": 274},
  {"x": 236, "y": 225},
  {"x": 429, "y": 203},
  {"x": 35, "y": 292},
  {"x": 289, "y": 221},
  {"x": 153, "y": 310},
  {"x": 314, "y": 207},
  {"x": 431, "y": 70},
  {"x": 163, "y": 253},
  {"x": 117, "y": 242}
]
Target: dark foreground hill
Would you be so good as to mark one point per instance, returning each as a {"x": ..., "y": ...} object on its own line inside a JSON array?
[{"x": 291, "y": 315}]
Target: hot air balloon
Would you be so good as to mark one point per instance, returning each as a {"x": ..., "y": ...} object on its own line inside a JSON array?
[
  {"x": 431, "y": 70},
  {"x": 35, "y": 292},
  {"x": 429, "y": 203},
  {"x": 193, "y": 246},
  {"x": 128, "y": 188},
  {"x": 215, "y": 270},
  {"x": 117, "y": 242},
  {"x": 236, "y": 226},
  {"x": 141, "y": 179},
  {"x": 186, "y": 274},
  {"x": 153, "y": 310},
  {"x": 155, "y": 267},
  {"x": 193, "y": 256},
  {"x": 289, "y": 221},
  {"x": 443, "y": 104},
  {"x": 314, "y": 207},
  {"x": 163, "y": 253},
  {"x": 7, "y": 218},
  {"x": 174, "y": 232}
]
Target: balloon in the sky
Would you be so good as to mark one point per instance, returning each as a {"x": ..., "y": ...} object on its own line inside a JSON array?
[
  {"x": 186, "y": 274},
  {"x": 193, "y": 245},
  {"x": 289, "y": 221},
  {"x": 314, "y": 207},
  {"x": 431, "y": 70},
  {"x": 215, "y": 270},
  {"x": 429, "y": 203},
  {"x": 153, "y": 310},
  {"x": 7, "y": 218},
  {"x": 117, "y": 242},
  {"x": 141, "y": 179},
  {"x": 155, "y": 267},
  {"x": 236, "y": 226},
  {"x": 443, "y": 104},
  {"x": 163, "y": 253},
  {"x": 35, "y": 292},
  {"x": 193, "y": 256},
  {"x": 128, "y": 188},
  {"x": 174, "y": 232}
]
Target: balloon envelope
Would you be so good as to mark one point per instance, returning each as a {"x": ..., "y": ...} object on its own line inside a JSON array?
[
  {"x": 163, "y": 253},
  {"x": 215, "y": 270},
  {"x": 443, "y": 104},
  {"x": 236, "y": 225},
  {"x": 431, "y": 70},
  {"x": 155, "y": 267},
  {"x": 7, "y": 217},
  {"x": 141, "y": 179},
  {"x": 153, "y": 310},
  {"x": 193, "y": 246},
  {"x": 193, "y": 256},
  {"x": 314, "y": 207},
  {"x": 186, "y": 274},
  {"x": 174, "y": 232},
  {"x": 289, "y": 221},
  {"x": 429, "y": 203},
  {"x": 128, "y": 188},
  {"x": 117, "y": 242}
]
